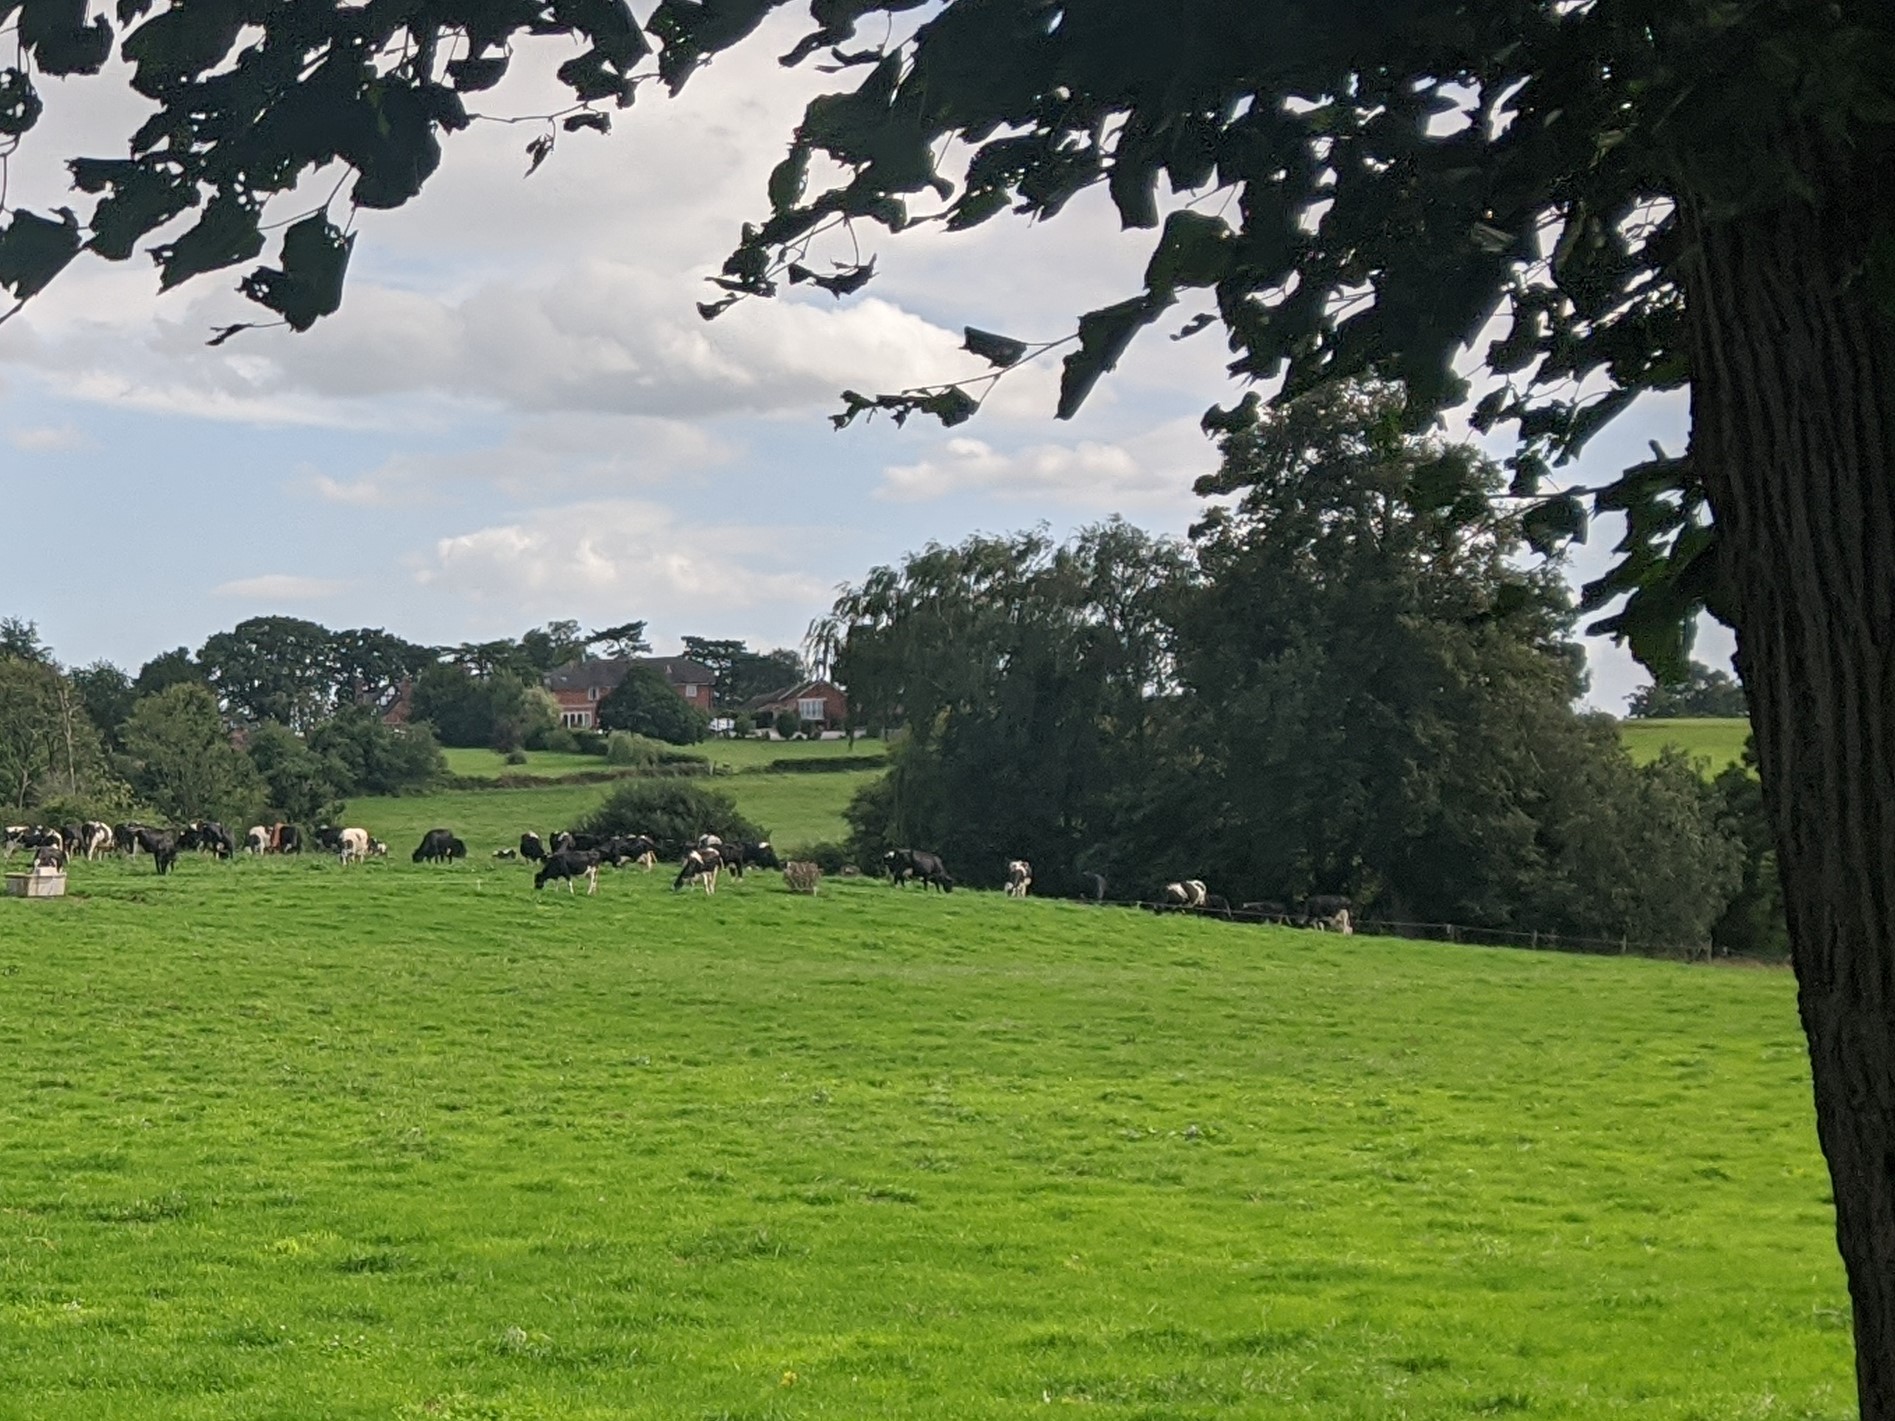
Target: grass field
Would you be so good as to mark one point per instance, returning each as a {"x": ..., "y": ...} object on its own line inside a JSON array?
[
  {"x": 730, "y": 754},
  {"x": 796, "y": 809},
  {"x": 1715, "y": 744},
  {"x": 286, "y": 1140}
]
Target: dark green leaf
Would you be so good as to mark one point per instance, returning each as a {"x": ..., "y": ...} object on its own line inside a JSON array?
[
  {"x": 1103, "y": 336},
  {"x": 538, "y": 151},
  {"x": 19, "y": 105},
  {"x": 470, "y": 76},
  {"x": 994, "y": 349},
  {"x": 787, "y": 179},
  {"x": 591, "y": 118},
  {"x": 1194, "y": 250},
  {"x": 308, "y": 285},
  {"x": 226, "y": 233},
  {"x": 35, "y": 249},
  {"x": 1546, "y": 526}
]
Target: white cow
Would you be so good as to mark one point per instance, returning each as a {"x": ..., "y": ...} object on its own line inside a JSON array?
[{"x": 355, "y": 845}]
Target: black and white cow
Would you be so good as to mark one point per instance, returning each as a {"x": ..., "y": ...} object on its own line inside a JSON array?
[
  {"x": 353, "y": 844},
  {"x": 624, "y": 849},
  {"x": 1019, "y": 878},
  {"x": 1187, "y": 893},
  {"x": 328, "y": 838},
  {"x": 94, "y": 839},
  {"x": 532, "y": 847},
  {"x": 49, "y": 858},
  {"x": 757, "y": 855},
  {"x": 439, "y": 846},
  {"x": 1329, "y": 912},
  {"x": 904, "y": 865},
  {"x": 702, "y": 865},
  {"x": 286, "y": 839},
  {"x": 570, "y": 864}
]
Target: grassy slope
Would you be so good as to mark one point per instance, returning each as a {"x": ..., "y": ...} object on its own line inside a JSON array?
[
  {"x": 795, "y": 809},
  {"x": 1715, "y": 743},
  {"x": 287, "y": 1140}
]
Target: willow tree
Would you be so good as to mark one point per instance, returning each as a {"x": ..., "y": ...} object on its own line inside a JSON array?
[{"x": 1649, "y": 195}]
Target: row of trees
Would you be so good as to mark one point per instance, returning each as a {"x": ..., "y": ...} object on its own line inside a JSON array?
[
  {"x": 93, "y": 742},
  {"x": 1345, "y": 682}
]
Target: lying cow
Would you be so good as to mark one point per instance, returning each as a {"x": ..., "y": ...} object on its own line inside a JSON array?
[
  {"x": 1186, "y": 893},
  {"x": 570, "y": 864},
  {"x": 1019, "y": 878}
]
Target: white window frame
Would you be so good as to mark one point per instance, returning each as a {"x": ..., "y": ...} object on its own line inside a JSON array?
[{"x": 812, "y": 708}]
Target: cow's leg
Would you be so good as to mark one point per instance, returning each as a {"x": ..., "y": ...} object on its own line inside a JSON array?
[{"x": 592, "y": 881}]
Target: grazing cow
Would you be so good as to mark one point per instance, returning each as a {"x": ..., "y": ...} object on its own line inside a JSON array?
[
  {"x": 570, "y": 864},
  {"x": 72, "y": 836},
  {"x": 162, "y": 845},
  {"x": 439, "y": 846},
  {"x": 286, "y": 839},
  {"x": 208, "y": 836},
  {"x": 377, "y": 849},
  {"x": 702, "y": 865},
  {"x": 637, "y": 848},
  {"x": 328, "y": 838},
  {"x": 568, "y": 840},
  {"x": 925, "y": 868},
  {"x": 1189, "y": 893},
  {"x": 759, "y": 855},
  {"x": 532, "y": 849},
  {"x": 94, "y": 838},
  {"x": 256, "y": 840},
  {"x": 1019, "y": 878},
  {"x": 353, "y": 844},
  {"x": 1328, "y": 912},
  {"x": 49, "y": 859},
  {"x": 125, "y": 838}
]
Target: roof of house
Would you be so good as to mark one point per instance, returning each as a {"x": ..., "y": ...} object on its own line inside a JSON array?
[
  {"x": 789, "y": 695},
  {"x": 607, "y": 671}
]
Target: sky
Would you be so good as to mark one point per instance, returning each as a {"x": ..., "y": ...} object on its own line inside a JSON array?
[{"x": 518, "y": 415}]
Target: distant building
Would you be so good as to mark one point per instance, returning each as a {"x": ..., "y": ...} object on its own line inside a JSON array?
[
  {"x": 579, "y": 686},
  {"x": 820, "y": 705}
]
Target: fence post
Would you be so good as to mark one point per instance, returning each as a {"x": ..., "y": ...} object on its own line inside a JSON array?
[
  {"x": 1622, "y": 944},
  {"x": 1536, "y": 939}
]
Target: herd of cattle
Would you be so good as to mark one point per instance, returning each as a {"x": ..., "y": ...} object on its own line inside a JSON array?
[{"x": 571, "y": 855}]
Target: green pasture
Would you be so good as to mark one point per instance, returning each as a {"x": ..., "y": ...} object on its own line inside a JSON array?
[
  {"x": 728, "y": 754},
  {"x": 1714, "y": 744},
  {"x": 286, "y": 1140},
  {"x": 796, "y": 809}
]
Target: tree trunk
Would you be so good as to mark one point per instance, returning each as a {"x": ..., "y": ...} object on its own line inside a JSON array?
[{"x": 1793, "y": 434}]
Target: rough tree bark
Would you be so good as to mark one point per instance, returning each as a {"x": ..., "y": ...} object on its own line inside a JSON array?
[{"x": 1793, "y": 433}]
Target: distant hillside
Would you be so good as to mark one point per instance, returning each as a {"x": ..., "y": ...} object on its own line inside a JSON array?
[{"x": 1717, "y": 743}]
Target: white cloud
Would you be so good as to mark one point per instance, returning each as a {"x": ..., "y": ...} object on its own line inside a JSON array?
[
  {"x": 599, "y": 559},
  {"x": 279, "y": 586},
  {"x": 49, "y": 439},
  {"x": 1154, "y": 470}
]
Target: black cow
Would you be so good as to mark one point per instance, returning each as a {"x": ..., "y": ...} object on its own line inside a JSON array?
[
  {"x": 439, "y": 846},
  {"x": 919, "y": 865},
  {"x": 567, "y": 840},
  {"x": 162, "y": 845},
  {"x": 702, "y": 865},
  {"x": 532, "y": 848},
  {"x": 633, "y": 848},
  {"x": 757, "y": 855},
  {"x": 208, "y": 836},
  {"x": 288, "y": 839},
  {"x": 125, "y": 837},
  {"x": 49, "y": 857},
  {"x": 328, "y": 838},
  {"x": 570, "y": 864}
]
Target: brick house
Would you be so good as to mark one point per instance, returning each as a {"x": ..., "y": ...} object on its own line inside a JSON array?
[
  {"x": 579, "y": 686},
  {"x": 819, "y": 704}
]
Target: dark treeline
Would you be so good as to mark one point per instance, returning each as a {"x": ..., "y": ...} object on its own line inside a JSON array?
[
  {"x": 1347, "y": 681},
  {"x": 279, "y": 717}
]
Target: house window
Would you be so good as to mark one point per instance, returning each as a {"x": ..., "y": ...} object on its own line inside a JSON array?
[
  {"x": 592, "y": 693},
  {"x": 812, "y": 707},
  {"x": 690, "y": 691},
  {"x": 577, "y": 719}
]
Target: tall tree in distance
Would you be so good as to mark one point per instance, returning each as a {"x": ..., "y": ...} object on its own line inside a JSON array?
[
  {"x": 20, "y": 641},
  {"x": 185, "y": 763},
  {"x": 624, "y": 640},
  {"x": 1702, "y": 692},
  {"x": 272, "y": 668}
]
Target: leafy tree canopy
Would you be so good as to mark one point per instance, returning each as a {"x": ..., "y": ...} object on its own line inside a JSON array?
[
  {"x": 645, "y": 704},
  {"x": 184, "y": 762},
  {"x": 1702, "y": 692}
]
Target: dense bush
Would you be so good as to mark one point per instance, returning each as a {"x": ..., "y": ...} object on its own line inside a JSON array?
[
  {"x": 787, "y": 724},
  {"x": 672, "y": 811},
  {"x": 370, "y": 756},
  {"x": 830, "y": 858},
  {"x": 645, "y": 704},
  {"x": 561, "y": 741}
]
